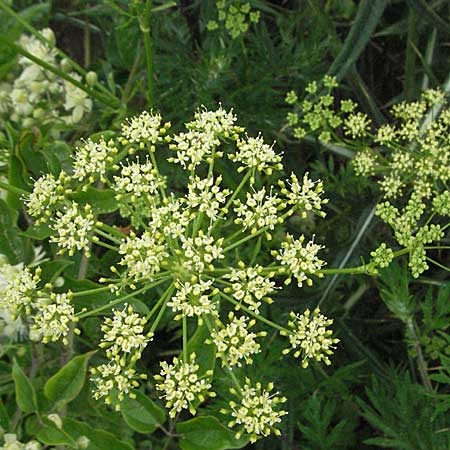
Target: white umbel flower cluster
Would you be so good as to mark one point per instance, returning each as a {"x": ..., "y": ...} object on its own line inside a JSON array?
[
  {"x": 257, "y": 412},
  {"x": 144, "y": 129},
  {"x": 194, "y": 299},
  {"x": 200, "y": 252},
  {"x": 138, "y": 180},
  {"x": 310, "y": 337},
  {"x": 53, "y": 319},
  {"x": 12, "y": 443},
  {"x": 254, "y": 153},
  {"x": 92, "y": 160},
  {"x": 234, "y": 342},
  {"x": 206, "y": 196},
  {"x": 300, "y": 260},
  {"x": 38, "y": 96},
  {"x": 124, "y": 333},
  {"x": 114, "y": 382},
  {"x": 307, "y": 196},
  {"x": 182, "y": 386},
  {"x": 259, "y": 211},
  {"x": 20, "y": 290},
  {"x": 250, "y": 285},
  {"x": 143, "y": 256},
  {"x": 124, "y": 339},
  {"x": 203, "y": 137},
  {"x": 73, "y": 227},
  {"x": 11, "y": 325},
  {"x": 48, "y": 193}
]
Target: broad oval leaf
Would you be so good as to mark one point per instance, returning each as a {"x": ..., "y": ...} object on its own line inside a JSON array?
[
  {"x": 98, "y": 439},
  {"x": 207, "y": 433},
  {"x": 25, "y": 393},
  {"x": 67, "y": 383},
  {"x": 142, "y": 414}
]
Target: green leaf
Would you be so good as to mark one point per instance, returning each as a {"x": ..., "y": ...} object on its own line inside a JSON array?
[
  {"x": 11, "y": 244},
  {"x": 98, "y": 439},
  {"x": 25, "y": 393},
  {"x": 50, "y": 435},
  {"x": 207, "y": 433},
  {"x": 38, "y": 232},
  {"x": 367, "y": 18},
  {"x": 206, "y": 353},
  {"x": 142, "y": 414},
  {"x": 67, "y": 383},
  {"x": 103, "y": 201},
  {"x": 98, "y": 299},
  {"x": 53, "y": 269},
  {"x": 17, "y": 176}
]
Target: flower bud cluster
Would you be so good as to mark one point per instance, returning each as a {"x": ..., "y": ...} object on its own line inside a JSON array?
[
  {"x": 409, "y": 157},
  {"x": 236, "y": 17}
]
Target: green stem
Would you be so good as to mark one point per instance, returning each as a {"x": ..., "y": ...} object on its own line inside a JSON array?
[
  {"x": 108, "y": 236},
  {"x": 185, "y": 339},
  {"x": 233, "y": 196},
  {"x": 438, "y": 264},
  {"x": 104, "y": 245},
  {"x": 255, "y": 315},
  {"x": 13, "y": 189},
  {"x": 166, "y": 297},
  {"x": 110, "y": 229},
  {"x": 121, "y": 299},
  {"x": 91, "y": 291},
  {"x": 144, "y": 24}
]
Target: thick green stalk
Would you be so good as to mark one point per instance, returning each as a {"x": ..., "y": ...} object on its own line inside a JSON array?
[{"x": 144, "y": 24}]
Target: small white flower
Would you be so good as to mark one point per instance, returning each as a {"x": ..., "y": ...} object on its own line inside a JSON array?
[
  {"x": 76, "y": 100},
  {"x": 306, "y": 196},
  {"x": 143, "y": 255},
  {"x": 206, "y": 195},
  {"x": 73, "y": 227},
  {"x": 124, "y": 333},
  {"x": 194, "y": 299},
  {"x": 301, "y": 260},
  {"x": 310, "y": 337},
  {"x": 234, "y": 342},
  {"x": 181, "y": 385},
  {"x": 260, "y": 210},
  {"x": 92, "y": 160},
  {"x": 200, "y": 252},
  {"x": 250, "y": 286},
  {"x": 48, "y": 191},
  {"x": 54, "y": 317},
  {"x": 257, "y": 411},
  {"x": 147, "y": 127},
  {"x": 253, "y": 153},
  {"x": 114, "y": 382}
]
